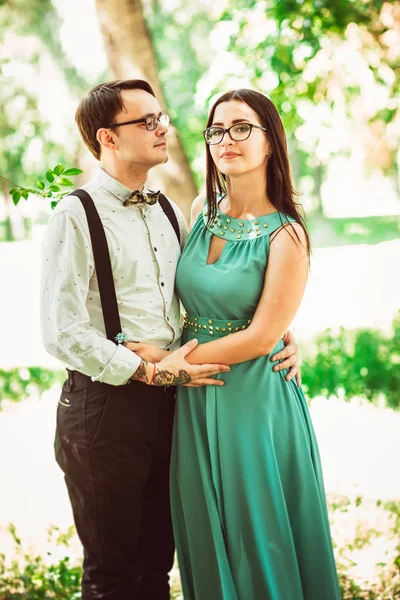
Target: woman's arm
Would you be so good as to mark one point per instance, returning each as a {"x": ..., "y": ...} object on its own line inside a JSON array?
[{"x": 284, "y": 285}]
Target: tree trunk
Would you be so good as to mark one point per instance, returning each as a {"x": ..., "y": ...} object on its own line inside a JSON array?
[{"x": 131, "y": 56}]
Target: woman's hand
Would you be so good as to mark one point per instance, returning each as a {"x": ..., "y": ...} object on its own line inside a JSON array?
[
  {"x": 147, "y": 352},
  {"x": 289, "y": 357}
]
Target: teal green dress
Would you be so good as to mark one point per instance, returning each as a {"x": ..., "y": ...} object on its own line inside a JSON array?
[{"x": 247, "y": 494}]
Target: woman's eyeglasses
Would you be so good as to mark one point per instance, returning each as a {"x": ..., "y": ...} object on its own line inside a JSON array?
[
  {"x": 238, "y": 133},
  {"x": 150, "y": 122}
]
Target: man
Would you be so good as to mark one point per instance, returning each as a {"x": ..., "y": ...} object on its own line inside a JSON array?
[{"x": 115, "y": 414}]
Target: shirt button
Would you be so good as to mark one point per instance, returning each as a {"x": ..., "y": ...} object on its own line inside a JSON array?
[{"x": 162, "y": 284}]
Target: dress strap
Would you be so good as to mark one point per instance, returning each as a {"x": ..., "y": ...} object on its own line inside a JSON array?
[{"x": 281, "y": 220}]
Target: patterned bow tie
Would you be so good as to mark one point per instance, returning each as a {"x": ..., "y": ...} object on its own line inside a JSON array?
[{"x": 138, "y": 197}]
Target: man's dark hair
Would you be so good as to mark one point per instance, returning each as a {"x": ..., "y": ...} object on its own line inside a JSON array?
[{"x": 100, "y": 107}]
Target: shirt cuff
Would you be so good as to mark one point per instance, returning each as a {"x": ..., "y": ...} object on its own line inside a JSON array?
[{"x": 122, "y": 366}]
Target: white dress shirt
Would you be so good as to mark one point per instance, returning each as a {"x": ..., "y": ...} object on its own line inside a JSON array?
[{"x": 144, "y": 252}]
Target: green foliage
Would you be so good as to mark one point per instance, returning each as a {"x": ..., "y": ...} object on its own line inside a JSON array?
[
  {"x": 55, "y": 178},
  {"x": 32, "y": 42},
  {"x": 355, "y": 363},
  {"x": 20, "y": 383},
  {"x": 31, "y": 577},
  {"x": 22, "y": 17},
  {"x": 301, "y": 28},
  {"x": 366, "y": 521},
  {"x": 352, "y": 230},
  {"x": 22, "y": 126},
  {"x": 393, "y": 506},
  {"x": 291, "y": 51},
  {"x": 352, "y": 591},
  {"x": 362, "y": 363}
]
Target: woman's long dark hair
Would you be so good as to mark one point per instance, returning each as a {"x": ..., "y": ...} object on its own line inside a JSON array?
[{"x": 280, "y": 189}]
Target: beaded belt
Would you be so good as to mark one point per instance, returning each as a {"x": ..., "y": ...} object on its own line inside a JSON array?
[{"x": 214, "y": 327}]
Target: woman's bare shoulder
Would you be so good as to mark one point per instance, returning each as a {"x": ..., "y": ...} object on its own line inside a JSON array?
[{"x": 197, "y": 207}]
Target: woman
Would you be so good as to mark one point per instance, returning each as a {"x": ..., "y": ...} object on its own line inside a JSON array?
[{"x": 247, "y": 494}]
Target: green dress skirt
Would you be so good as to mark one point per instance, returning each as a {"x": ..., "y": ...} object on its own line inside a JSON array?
[{"x": 247, "y": 494}]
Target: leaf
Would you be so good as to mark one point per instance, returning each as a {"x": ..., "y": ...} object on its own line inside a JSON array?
[
  {"x": 25, "y": 193},
  {"x": 59, "y": 169},
  {"x": 49, "y": 176},
  {"x": 54, "y": 203},
  {"x": 73, "y": 172},
  {"x": 16, "y": 197},
  {"x": 65, "y": 182},
  {"x": 12, "y": 530},
  {"x": 54, "y": 188},
  {"x": 40, "y": 185}
]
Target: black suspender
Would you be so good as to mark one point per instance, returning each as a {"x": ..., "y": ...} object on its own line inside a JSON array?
[
  {"x": 102, "y": 260},
  {"x": 102, "y": 264},
  {"x": 169, "y": 211}
]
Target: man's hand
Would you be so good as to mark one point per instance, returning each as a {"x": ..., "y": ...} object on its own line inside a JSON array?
[
  {"x": 291, "y": 361},
  {"x": 173, "y": 369},
  {"x": 147, "y": 352}
]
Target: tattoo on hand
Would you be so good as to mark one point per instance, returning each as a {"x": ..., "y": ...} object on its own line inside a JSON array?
[
  {"x": 168, "y": 378},
  {"x": 140, "y": 373}
]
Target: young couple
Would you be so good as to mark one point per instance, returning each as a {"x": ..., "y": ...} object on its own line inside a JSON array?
[{"x": 243, "y": 482}]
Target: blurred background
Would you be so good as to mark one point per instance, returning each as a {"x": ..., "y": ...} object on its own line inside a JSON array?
[{"x": 332, "y": 67}]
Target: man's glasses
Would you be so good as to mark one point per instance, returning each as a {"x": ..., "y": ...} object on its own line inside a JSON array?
[
  {"x": 238, "y": 133},
  {"x": 150, "y": 122}
]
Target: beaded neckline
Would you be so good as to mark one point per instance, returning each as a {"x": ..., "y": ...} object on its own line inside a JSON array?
[{"x": 242, "y": 229}]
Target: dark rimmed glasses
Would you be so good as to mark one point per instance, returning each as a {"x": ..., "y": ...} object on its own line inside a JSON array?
[
  {"x": 150, "y": 122},
  {"x": 238, "y": 133}
]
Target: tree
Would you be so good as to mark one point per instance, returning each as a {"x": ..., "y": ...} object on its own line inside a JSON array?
[
  {"x": 182, "y": 60},
  {"x": 131, "y": 55},
  {"x": 40, "y": 18},
  {"x": 26, "y": 142},
  {"x": 327, "y": 54},
  {"x": 22, "y": 129}
]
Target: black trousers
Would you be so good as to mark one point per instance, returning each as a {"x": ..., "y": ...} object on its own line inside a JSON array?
[{"x": 113, "y": 444}]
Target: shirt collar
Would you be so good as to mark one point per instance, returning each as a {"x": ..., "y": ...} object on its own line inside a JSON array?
[{"x": 108, "y": 183}]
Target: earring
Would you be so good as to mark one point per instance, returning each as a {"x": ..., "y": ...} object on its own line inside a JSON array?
[{"x": 269, "y": 153}]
